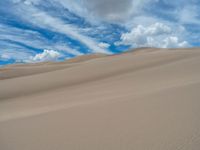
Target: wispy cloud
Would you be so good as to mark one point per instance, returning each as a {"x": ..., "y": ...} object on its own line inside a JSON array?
[
  {"x": 15, "y": 39},
  {"x": 43, "y": 20}
]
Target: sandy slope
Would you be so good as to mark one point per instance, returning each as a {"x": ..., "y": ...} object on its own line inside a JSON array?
[
  {"x": 19, "y": 70},
  {"x": 143, "y": 100}
]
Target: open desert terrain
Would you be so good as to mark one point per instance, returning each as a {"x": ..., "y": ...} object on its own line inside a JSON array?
[{"x": 147, "y": 99}]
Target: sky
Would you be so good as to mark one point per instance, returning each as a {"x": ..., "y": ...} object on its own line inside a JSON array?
[{"x": 55, "y": 30}]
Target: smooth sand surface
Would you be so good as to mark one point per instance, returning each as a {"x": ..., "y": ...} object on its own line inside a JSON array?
[{"x": 143, "y": 100}]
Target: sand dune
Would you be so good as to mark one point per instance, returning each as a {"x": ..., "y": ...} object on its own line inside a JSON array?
[
  {"x": 148, "y": 99},
  {"x": 19, "y": 70}
]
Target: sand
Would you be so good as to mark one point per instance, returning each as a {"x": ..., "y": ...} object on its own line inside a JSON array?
[{"x": 143, "y": 100}]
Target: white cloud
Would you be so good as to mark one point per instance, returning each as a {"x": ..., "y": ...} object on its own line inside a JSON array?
[
  {"x": 46, "y": 55},
  {"x": 155, "y": 35},
  {"x": 157, "y": 29},
  {"x": 174, "y": 42},
  {"x": 104, "y": 45}
]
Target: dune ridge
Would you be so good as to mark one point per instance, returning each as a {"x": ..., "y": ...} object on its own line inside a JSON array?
[
  {"x": 142, "y": 99},
  {"x": 19, "y": 70}
]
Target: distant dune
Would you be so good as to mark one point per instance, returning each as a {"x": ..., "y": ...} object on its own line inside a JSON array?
[
  {"x": 146, "y": 99},
  {"x": 19, "y": 70}
]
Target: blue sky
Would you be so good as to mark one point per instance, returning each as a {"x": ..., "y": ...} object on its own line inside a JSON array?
[{"x": 55, "y": 30}]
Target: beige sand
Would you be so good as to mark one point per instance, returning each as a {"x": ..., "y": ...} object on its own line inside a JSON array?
[{"x": 143, "y": 100}]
